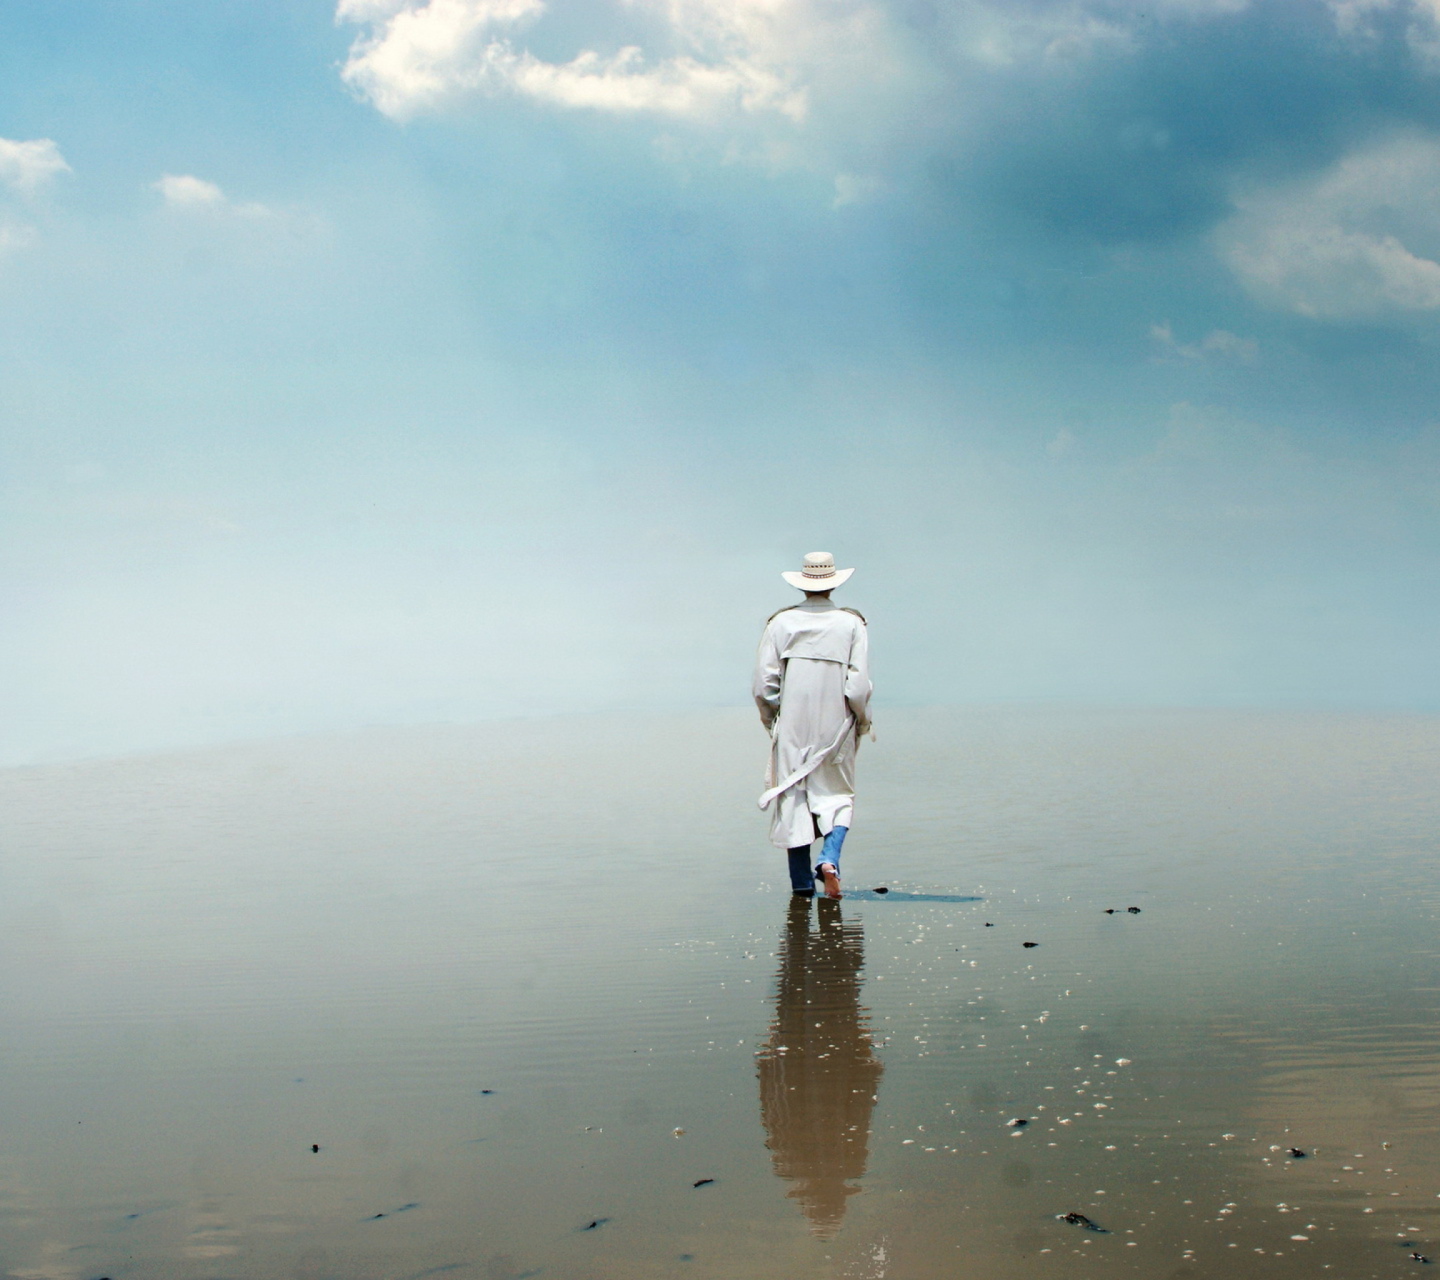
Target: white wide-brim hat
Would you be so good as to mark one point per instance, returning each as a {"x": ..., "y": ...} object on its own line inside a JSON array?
[{"x": 818, "y": 574}]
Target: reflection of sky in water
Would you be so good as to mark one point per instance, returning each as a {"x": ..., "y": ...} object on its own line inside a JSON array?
[
  {"x": 492, "y": 1002},
  {"x": 818, "y": 1072}
]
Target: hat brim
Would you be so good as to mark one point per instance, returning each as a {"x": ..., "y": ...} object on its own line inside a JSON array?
[{"x": 801, "y": 583}]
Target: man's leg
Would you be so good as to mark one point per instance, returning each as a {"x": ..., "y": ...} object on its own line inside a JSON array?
[
  {"x": 802, "y": 879},
  {"x": 828, "y": 868}
]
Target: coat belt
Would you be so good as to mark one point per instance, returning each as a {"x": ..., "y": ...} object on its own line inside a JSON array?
[{"x": 809, "y": 767}]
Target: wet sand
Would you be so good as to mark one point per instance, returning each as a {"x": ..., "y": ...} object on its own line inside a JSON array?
[{"x": 525, "y": 986}]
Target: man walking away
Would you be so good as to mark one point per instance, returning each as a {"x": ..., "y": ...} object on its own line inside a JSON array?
[{"x": 812, "y": 685}]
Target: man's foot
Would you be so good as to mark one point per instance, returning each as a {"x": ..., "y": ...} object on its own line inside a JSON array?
[{"x": 831, "y": 877}]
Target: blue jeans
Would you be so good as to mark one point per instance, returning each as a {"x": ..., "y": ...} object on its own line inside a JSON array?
[{"x": 802, "y": 874}]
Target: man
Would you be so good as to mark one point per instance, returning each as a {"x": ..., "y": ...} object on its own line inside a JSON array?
[{"x": 812, "y": 685}]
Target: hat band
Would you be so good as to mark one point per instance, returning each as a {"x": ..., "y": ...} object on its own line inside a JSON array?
[{"x": 805, "y": 573}]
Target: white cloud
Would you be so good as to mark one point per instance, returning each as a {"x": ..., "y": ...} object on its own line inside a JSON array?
[
  {"x": 182, "y": 191},
  {"x": 1356, "y": 19},
  {"x": 678, "y": 86},
  {"x": 733, "y": 56},
  {"x": 187, "y": 192},
  {"x": 1004, "y": 37},
  {"x": 1327, "y": 273},
  {"x": 417, "y": 57},
  {"x": 1351, "y": 243},
  {"x": 25, "y": 166},
  {"x": 716, "y": 56},
  {"x": 367, "y": 10},
  {"x": 1217, "y": 344},
  {"x": 1423, "y": 33},
  {"x": 1004, "y": 34}
]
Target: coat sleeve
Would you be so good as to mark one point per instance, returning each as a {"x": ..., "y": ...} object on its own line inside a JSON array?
[
  {"x": 857, "y": 679},
  {"x": 769, "y": 670}
]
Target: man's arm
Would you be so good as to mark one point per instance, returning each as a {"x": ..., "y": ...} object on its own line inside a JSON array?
[
  {"x": 768, "y": 672},
  {"x": 857, "y": 680}
]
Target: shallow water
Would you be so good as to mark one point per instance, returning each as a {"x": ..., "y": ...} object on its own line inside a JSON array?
[{"x": 525, "y": 986}]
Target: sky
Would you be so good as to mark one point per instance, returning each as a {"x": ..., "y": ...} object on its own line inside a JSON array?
[{"x": 408, "y": 361}]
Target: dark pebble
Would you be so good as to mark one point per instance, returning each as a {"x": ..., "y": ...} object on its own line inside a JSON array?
[
  {"x": 1029, "y": 944},
  {"x": 705, "y": 1182},
  {"x": 592, "y": 1226},
  {"x": 314, "y": 1146},
  {"x": 1016, "y": 1123},
  {"x": 1297, "y": 1153},
  {"x": 1134, "y": 911},
  {"x": 1080, "y": 1220},
  {"x": 404, "y": 1208},
  {"x": 882, "y": 889},
  {"x": 988, "y": 925},
  {"x": 1109, "y": 911},
  {"x": 487, "y": 1091},
  {"x": 1420, "y": 1257}
]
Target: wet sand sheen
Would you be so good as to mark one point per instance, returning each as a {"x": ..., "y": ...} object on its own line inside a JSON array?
[{"x": 492, "y": 1009}]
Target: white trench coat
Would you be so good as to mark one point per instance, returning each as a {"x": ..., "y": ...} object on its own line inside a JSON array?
[{"x": 812, "y": 685}]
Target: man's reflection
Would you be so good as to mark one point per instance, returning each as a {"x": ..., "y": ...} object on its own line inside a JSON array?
[{"x": 818, "y": 1072}]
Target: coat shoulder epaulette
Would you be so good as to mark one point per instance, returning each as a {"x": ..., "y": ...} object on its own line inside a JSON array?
[{"x": 788, "y": 607}]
